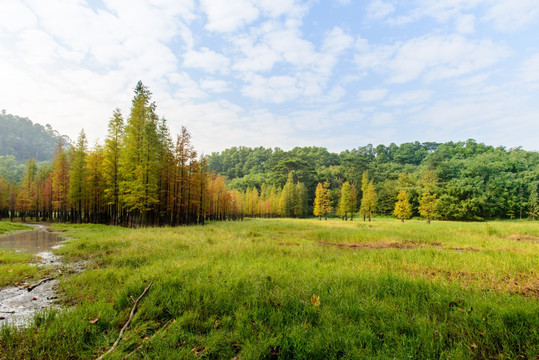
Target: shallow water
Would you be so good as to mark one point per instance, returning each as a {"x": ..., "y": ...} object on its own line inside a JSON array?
[
  {"x": 17, "y": 304},
  {"x": 35, "y": 242}
]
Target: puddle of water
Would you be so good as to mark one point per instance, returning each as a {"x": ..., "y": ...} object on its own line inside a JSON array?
[
  {"x": 18, "y": 305},
  {"x": 34, "y": 242}
]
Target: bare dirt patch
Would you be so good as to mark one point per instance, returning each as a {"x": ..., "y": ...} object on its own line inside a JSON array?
[
  {"x": 523, "y": 237},
  {"x": 407, "y": 244},
  {"x": 521, "y": 284},
  {"x": 380, "y": 245}
]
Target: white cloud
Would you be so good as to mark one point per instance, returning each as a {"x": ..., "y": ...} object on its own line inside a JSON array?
[
  {"x": 433, "y": 57},
  {"x": 382, "y": 119},
  {"x": 529, "y": 70},
  {"x": 465, "y": 24},
  {"x": 336, "y": 41},
  {"x": 215, "y": 86},
  {"x": 513, "y": 15},
  {"x": 206, "y": 60},
  {"x": 276, "y": 89},
  {"x": 379, "y": 9},
  {"x": 372, "y": 95},
  {"x": 15, "y": 16},
  {"x": 227, "y": 16},
  {"x": 409, "y": 98}
]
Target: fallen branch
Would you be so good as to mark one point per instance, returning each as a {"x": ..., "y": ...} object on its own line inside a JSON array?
[
  {"x": 148, "y": 340},
  {"x": 42, "y": 281},
  {"x": 7, "y": 312},
  {"x": 133, "y": 310}
]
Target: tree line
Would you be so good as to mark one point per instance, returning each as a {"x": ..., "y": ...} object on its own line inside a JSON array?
[
  {"x": 138, "y": 177},
  {"x": 468, "y": 180}
]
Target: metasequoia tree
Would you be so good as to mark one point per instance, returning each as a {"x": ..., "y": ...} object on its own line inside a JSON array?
[
  {"x": 533, "y": 203},
  {"x": 139, "y": 163},
  {"x": 111, "y": 165},
  {"x": 322, "y": 200},
  {"x": 428, "y": 200},
  {"x": 345, "y": 201},
  {"x": 77, "y": 179},
  {"x": 403, "y": 209}
]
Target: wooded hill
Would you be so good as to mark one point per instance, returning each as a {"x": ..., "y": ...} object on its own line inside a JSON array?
[{"x": 22, "y": 139}]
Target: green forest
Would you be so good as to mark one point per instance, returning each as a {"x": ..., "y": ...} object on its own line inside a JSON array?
[
  {"x": 22, "y": 139},
  {"x": 141, "y": 175},
  {"x": 474, "y": 181}
]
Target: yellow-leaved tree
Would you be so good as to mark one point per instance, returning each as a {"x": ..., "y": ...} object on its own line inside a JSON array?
[
  {"x": 322, "y": 201},
  {"x": 403, "y": 209}
]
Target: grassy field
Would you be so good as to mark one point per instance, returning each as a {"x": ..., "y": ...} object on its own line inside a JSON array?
[
  {"x": 295, "y": 289},
  {"x": 7, "y": 227}
]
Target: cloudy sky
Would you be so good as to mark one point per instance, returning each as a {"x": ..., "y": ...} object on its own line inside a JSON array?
[{"x": 332, "y": 73}]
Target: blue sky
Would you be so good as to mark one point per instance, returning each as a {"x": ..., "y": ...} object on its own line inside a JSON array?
[{"x": 338, "y": 74}]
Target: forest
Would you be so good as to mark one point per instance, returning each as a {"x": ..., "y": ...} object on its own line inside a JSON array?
[
  {"x": 472, "y": 181},
  {"x": 22, "y": 139},
  {"x": 141, "y": 176}
]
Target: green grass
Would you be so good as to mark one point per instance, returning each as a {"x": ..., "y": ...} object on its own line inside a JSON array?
[
  {"x": 7, "y": 227},
  {"x": 245, "y": 290}
]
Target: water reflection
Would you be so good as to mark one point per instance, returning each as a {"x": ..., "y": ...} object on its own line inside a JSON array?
[{"x": 34, "y": 242}]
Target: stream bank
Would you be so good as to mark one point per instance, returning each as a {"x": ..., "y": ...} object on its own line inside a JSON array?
[{"x": 18, "y": 305}]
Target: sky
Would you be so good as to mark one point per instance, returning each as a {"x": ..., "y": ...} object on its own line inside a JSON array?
[{"x": 280, "y": 73}]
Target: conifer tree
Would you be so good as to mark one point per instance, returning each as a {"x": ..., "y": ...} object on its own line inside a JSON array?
[
  {"x": 60, "y": 183},
  {"x": 427, "y": 205},
  {"x": 318, "y": 208},
  {"x": 139, "y": 162},
  {"x": 27, "y": 195},
  {"x": 344, "y": 201},
  {"x": 428, "y": 200},
  {"x": 300, "y": 206},
  {"x": 363, "y": 209},
  {"x": 533, "y": 203},
  {"x": 403, "y": 209},
  {"x": 77, "y": 178},
  {"x": 111, "y": 164},
  {"x": 95, "y": 183},
  {"x": 371, "y": 199},
  {"x": 288, "y": 197},
  {"x": 353, "y": 201}
]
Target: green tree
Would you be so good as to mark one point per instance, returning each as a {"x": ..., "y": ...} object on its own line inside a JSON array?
[
  {"x": 95, "y": 183},
  {"x": 111, "y": 164},
  {"x": 427, "y": 205},
  {"x": 533, "y": 203},
  {"x": 371, "y": 200},
  {"x": 403, "y": 209},
  {"x": 288, "y": 197},
  {"x": 345, "y": 201},
  {"x": 353, "y": 201},
  {"x": 428, "y": 201},
  {"x": 78, "y": 195},
  {"x": 139, "y": 162},
  {"x": 364, "y": 201},
  {"x": 301, "y": 201}
]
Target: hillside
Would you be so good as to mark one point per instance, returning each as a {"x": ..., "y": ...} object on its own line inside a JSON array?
[{"x": 24, "y": 139}]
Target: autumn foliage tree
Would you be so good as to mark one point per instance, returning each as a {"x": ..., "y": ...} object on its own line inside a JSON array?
[
  {"x": 322, "y": 200},
  {"x": 403, "y": 209}
]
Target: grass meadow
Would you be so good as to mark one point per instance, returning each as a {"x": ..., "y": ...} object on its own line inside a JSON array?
[{"x": 294, "y": 289}]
